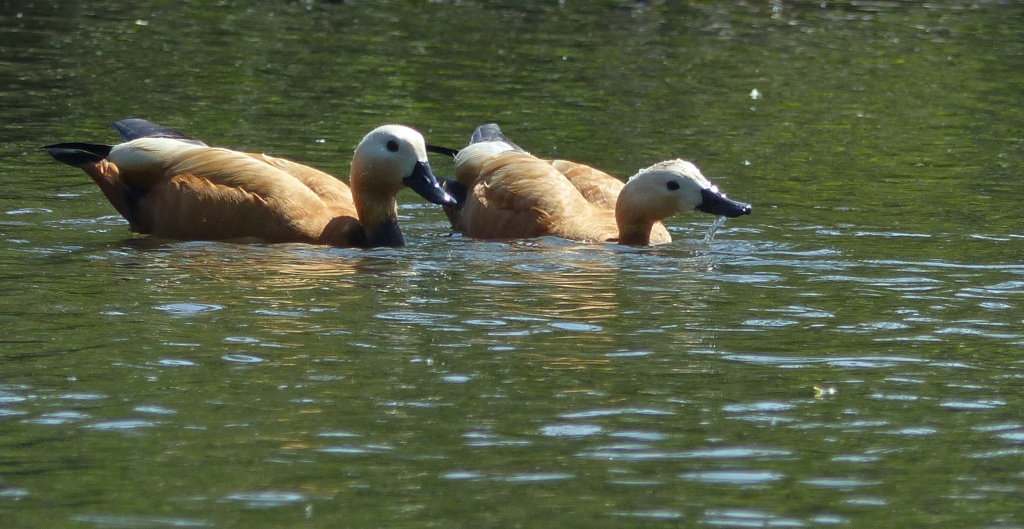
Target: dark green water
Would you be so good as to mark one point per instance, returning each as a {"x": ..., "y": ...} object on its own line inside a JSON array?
[{"x": 452, "y": 383}]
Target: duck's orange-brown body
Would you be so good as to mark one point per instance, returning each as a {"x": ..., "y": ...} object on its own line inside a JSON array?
[
  {"x": 219, "y": 194},
  {"x": 169, "y": 185},
  {"x": 516, "y": 195},
  {"x": 598, "y": 187},
  {"x": 510, "y": 194}
]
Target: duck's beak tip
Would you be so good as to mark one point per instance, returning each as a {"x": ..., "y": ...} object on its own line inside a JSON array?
[
  {"x": 715, "y": 202},
  {"x": 424, "y": 183}
]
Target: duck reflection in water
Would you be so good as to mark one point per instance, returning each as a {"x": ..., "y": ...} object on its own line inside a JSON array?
[{"x": 540, "y": 292}]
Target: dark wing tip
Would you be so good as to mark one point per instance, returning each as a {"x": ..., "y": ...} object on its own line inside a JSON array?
[
  {"x": 492, "y": 132},
  {"x": 135, "y": 128}
]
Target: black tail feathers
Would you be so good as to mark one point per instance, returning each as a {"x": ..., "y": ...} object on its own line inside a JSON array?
[{"x": 78, "y": 154}]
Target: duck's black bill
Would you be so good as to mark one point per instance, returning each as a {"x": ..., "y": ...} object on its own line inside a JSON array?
[
  {"x": 423, "y": 182},
  {"x": 715, "y": 202}
]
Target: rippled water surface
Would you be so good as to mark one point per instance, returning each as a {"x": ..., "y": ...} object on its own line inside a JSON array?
[{"x": 847, "y": 355}]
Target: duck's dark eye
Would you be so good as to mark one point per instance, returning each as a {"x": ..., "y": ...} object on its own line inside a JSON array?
[
  {"x": 392, "y": 146},
  {"x": 672, "y": 185}
]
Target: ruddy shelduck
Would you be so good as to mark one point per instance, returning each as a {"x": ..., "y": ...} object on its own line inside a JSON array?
[
  {"x": 170, "y": 185},
  {"x": 503, "y": 192}
]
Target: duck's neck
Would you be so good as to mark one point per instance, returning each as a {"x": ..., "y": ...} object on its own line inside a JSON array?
[
  {"x": 634, "y": 226},
  {"x": 635, "y": 233},
  {"x": 384, "y": 234},
  {"x": 378, "y": 214}
]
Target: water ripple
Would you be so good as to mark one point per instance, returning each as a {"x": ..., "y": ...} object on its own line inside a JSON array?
[
  {"x": 838, "y": 483},
  {"x": 973, "y": 405},
  {"x": 415, "y": 318},
  {"x": 613, "y": 411},
  {"x": 650, "y": 514},
  {"x": 7, "y": 413},
  {"x": 734, "y": 477},
  {"x": 535, "y": 477},
  {"x": 869, "y": 362},
  {"x": 102, "y": 520},
  {"x": 356, "y": 449},
  {"x": 266, "y": 499},
  {"x": 571, "y": 430},
  {"x": 242, "y": 359},
  {"x": 58, "y": 418},
  {"x": 188, "y": 309},
  {"x": 767, "y": 406},
  {"x": 640, "y": 452},
  {"x": 748, "y": 518},
  {"x": 121, "y": 425}
]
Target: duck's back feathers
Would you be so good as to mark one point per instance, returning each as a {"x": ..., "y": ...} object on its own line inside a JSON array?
[
  {"x": 186, "y": 191},
  {"x": 322, "y": 184},
  {"x": 502, "y": 202},
  {"x": 598, "y": 187},
  {"x": 519, "y": 196}
]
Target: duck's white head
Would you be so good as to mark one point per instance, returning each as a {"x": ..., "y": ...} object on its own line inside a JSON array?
[
  {"x": 666, "y": 189},
  {"x": 676, "y": 186},
  {"x": 392, "y": 156}
]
